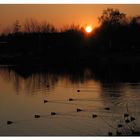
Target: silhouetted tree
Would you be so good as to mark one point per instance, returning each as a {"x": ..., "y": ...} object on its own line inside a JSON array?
[
  {"x": 47, "y": 28},
  {"x": 135, "y": 21},
  {"x": 16, "y": 27},
  {"x": 112, "y": 17},
  {"x": 71, "y": 28},
  {"x": 116, "y": 35},
  {"x": 31, "y": 26}
]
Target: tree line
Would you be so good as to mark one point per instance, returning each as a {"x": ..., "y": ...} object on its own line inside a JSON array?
[{"x": 116, "y": 39}]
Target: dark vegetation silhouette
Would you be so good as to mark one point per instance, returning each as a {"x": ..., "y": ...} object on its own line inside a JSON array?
[
  {"x": 115, "y": 41},
  {"x": 113, "y": 75},
  {"x": 111, "y": 52},
  {"x": 109, "y": 55}
]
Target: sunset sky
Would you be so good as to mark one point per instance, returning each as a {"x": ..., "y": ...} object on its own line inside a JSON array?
[{"x": 60, "y": 15}]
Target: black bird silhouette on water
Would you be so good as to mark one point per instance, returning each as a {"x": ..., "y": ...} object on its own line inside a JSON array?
[
  {"x": 70, "y": 99},
  {"x": 132, "y": 118},
  {"x": 107, "y": 108},
  {"x": 127, "y": 121},
  {"x": 94, "y": 116},
  {"x": 78, "y": 110},
  {"x": 120, "y": 125},
  {"x": 37, "y": 116},
  {"x": 110, "y": 134},
  {"x": 126, "y": 114},
  {"x": 9, "y": 122},
  {"x": 53, "y": 113},
  {"x": 48, "y": 86},
  {"x": 45, "y": 101}
]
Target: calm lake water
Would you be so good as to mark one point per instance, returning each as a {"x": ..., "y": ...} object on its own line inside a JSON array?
[{"x": 102, "y": 104}]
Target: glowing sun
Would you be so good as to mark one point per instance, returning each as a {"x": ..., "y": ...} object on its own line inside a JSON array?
[{"x": 88, "y": 29}]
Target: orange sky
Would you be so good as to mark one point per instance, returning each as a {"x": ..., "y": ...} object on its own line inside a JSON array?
[{"x": 60, "y": 15}]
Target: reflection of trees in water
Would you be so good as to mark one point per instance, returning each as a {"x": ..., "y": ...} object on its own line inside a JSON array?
[
  {"x": 32, "y": 79},
  {"x": 121, "y": 97},
  {"x": 112, "y": 89},
  {"x": 77, "y": 76},
  {"x": 29, "y": 83},
  {"x": 112, "y": 92},
  {"x": 38, "y": 82},
  {"x": 47, "y": 80},
  {"x": 42, "y": 81},
  {"x": 39, "y": 78}
]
